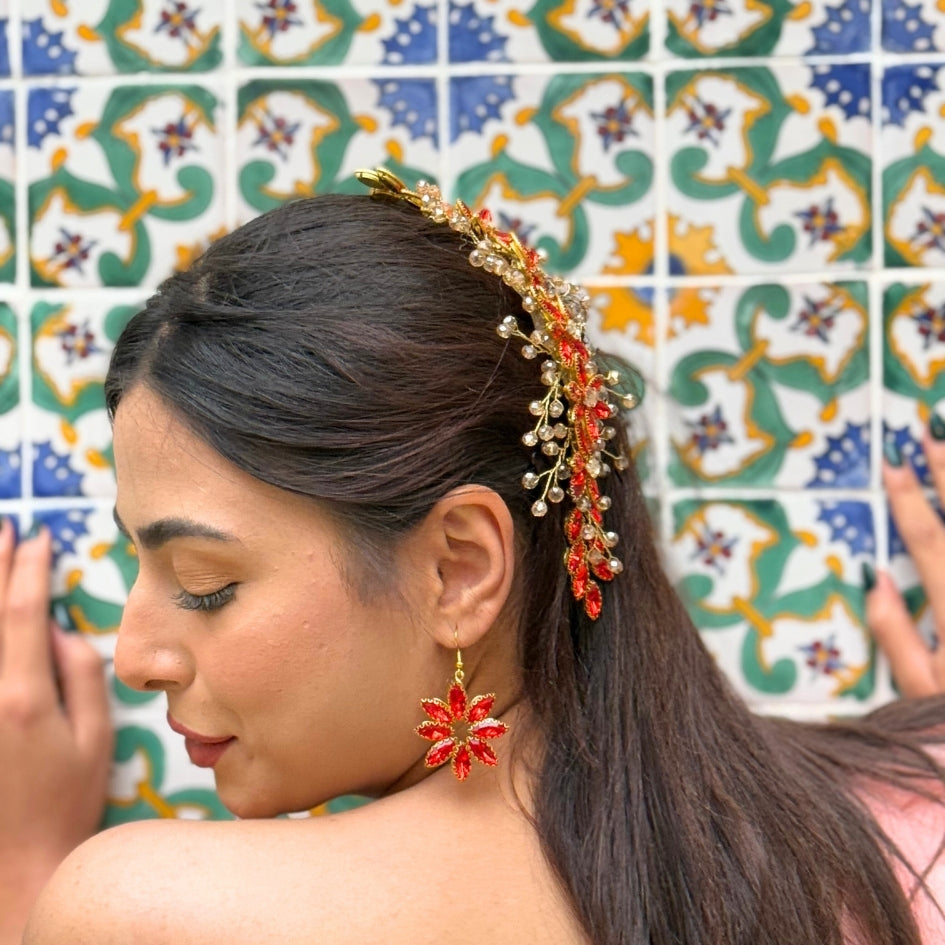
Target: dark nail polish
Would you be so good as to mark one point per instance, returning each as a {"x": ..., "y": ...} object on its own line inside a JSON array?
[
  {"x": 937, "y": 427},
  {"x": 35, "y": 529},
  {"x": 892, "y": 454},
  {"x": 869, "y": 577}
]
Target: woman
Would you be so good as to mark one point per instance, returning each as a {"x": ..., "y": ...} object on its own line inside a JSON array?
[{"x": 320, "y": 459}]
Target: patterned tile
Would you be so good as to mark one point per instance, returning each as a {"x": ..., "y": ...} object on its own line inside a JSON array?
[
  {"x": 7, "y": 188},
  {"x": 306, "y": 137},
  {"x": 550, "y": 31},
  {"x": 769, "y": 386},
  {"x": 913, "y": 27},
  {"x": 98, "y": 37},
  {"x": 913, "y": 362},
  {"x": 70, "y": 435},
  {"x": 771, "y": 166},
  {"x": 913, "y": 147},
  {"x": 775, "y": 586},
  {"x": 566, "y": 159},
  {"x": 766, "y": 27},
  {"x": 4, "y": 38},
  {"x": 376, "y": 32},
  {"x": 123, "y": 182},
  {"x": 11, "y": 430},
  {"x": 623, "y": 326}
]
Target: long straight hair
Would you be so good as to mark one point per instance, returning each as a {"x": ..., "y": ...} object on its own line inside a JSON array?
[{"x": 344, "y": 349}]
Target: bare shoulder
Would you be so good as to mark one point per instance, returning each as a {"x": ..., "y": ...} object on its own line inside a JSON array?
[
  {"x": 344, "y": 878},
  {"x": 916, "y": 825}
]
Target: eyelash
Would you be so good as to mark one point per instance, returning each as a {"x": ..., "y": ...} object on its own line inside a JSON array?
[{"x": 206, "y": 602}]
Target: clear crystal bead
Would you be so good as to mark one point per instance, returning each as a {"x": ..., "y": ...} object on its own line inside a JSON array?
[
  {"x": 545, "y": 432},
  {"x": 476, "y": 258},
  {"x": 555, "y": 494},
  {"x": 539, "y": 508},
  {"x": 529, "y": 352},
  {"x": 536, "y": 408},
  {"x": 615, "y": 565},
  {"x": 610, "y": 539},
  {"x": 530, "y": 480},
  {"x": 556, "y": 408},
  {"x": 530, "y": 438},
  {"x": 549, "y": 448}
]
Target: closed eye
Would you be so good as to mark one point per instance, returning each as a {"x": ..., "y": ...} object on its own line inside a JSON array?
[{"x": 212, "y": 601}]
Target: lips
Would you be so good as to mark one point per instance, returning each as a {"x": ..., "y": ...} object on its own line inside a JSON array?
[{"x": 204, "y": 750}]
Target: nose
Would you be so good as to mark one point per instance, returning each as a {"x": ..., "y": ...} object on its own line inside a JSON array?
[{"x": 150, "y": 654}]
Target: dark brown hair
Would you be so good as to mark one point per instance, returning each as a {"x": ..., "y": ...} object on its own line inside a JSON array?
[{"x": 343, "y": 348}]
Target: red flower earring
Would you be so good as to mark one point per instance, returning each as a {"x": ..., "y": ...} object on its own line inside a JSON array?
[{"x": 460, "y": 728}]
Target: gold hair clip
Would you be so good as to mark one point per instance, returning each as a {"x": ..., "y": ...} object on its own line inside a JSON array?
[{"x": 571, "y": 432}]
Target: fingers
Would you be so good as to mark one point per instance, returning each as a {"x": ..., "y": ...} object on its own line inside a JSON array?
[
  {"x": 82, "y": 682},
  {"x": 922, "y": 532},
  {"x": 24, "y": 622},
  {"x": 896, "y": 635}
]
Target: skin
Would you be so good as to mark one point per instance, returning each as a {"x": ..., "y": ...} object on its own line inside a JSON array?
[
  {"x": 432, "y": 860},
  {"x": 320, "y": 691}
]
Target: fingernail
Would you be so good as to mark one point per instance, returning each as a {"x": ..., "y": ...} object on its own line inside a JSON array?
[
  {"x": 35, "y": 529},
  {"x": 892, "y": 454},
  {"x": 937, "y": 426},
  {"x": 869, "y": 577}
]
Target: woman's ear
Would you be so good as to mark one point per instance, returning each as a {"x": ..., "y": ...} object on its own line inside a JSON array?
[{"x": 466, "y": 547}]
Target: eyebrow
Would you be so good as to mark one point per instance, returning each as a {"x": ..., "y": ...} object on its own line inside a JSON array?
[{"x": 159, "y": 533}]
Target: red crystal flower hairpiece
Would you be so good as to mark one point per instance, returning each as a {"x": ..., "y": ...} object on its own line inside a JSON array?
[{"x": 571, "y": 429}]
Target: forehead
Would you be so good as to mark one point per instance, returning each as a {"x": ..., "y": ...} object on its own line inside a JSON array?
[{"x": 163, "y": 469}]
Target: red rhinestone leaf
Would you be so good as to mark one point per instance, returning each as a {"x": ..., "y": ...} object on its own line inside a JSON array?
[
  {"x": 462, "y": 763},
  {"x": 572, "y": 525},
  {"x": 438, "y": 710},
  {"x": 593, "y": 600},
  {"x": 440, "y": 752},
  {"x": 483, "y": 752},
  {"x": 602, "y": 410},
  {"x": 575, "y": 557},
  {"x": 579, "y": 583},
  {"x": 488, "y": 728},
  {"x": 480, "y": 707},
  {"x": 602, "y": 570},
  {"x": 434, "y": 731},
  {"x": 485, "y": 215},
  {"x": 457, "y": 700}
]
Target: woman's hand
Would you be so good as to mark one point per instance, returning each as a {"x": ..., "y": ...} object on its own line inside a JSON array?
[
  {"x": 917, "y": 669},
  {"x": 55, "y": 735}
]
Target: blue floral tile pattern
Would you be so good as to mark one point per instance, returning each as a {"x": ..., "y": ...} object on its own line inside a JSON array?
[
  {"x": 299, "y": 33},
  {"x": 549, "y": 31},
  {"x": 69, "y": 431},
  {"x": 776, "y": 588},
  {"x": 10, "y": 427},
  {"x": 913, "y": 26},
  {"x": 752, "y": 28},
  {"x": 305, "y": 137},
  {"x": 913, "y": 362},
  {"x": 62, "y": 38},
  {"x": 122, "y": 182},
  {"x": 769, "y": 386},
  {"x": 913, "y": 140},
  {"x": 624, "y": 326},
  {"x": 773, "y": 165},
  {"x": 7, "y": 196},
  {"x": 567, "y": 160}
]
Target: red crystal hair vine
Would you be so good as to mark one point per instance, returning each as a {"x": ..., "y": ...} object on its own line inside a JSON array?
[{"x": 571, "y": 429}]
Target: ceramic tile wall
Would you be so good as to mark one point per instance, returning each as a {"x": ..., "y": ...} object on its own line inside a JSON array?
[{"x": 754, "y": 190}]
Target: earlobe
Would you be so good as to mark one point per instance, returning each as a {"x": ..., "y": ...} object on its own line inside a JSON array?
[{"x": 472, "y": 533}]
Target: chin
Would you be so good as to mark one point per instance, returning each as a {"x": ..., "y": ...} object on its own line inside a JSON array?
[{"x": 261, "y": 805}]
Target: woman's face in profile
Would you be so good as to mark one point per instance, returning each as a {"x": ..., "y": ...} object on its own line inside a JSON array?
[{"x": 285, "y": 682}]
